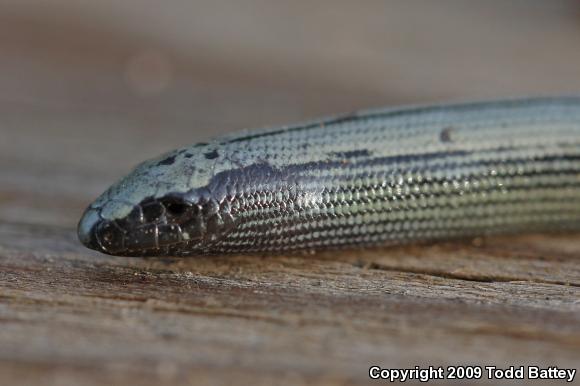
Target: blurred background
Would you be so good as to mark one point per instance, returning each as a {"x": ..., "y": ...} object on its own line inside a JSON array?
[{"x": 90, "y": 88}]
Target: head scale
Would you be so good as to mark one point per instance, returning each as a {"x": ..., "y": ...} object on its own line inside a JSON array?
[{"x": 142, "y": 215}]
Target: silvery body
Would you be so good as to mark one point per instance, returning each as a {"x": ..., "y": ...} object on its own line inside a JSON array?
[{"x": 371, "y": 178}]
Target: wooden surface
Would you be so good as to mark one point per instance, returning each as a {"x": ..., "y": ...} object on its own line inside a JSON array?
[{"x": 87, "y": 91}]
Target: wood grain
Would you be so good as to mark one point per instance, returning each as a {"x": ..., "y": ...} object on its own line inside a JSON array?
[
  {"x": 322, "y": 319},
  {"x": 71, "y": 123}
]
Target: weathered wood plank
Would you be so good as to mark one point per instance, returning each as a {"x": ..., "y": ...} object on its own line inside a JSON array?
[
  {"x": 71, "y": 123},
  {"x": 324, "y": 318}
]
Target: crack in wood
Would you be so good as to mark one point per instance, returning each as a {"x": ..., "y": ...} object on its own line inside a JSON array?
[{"x": 459, "y": 276}]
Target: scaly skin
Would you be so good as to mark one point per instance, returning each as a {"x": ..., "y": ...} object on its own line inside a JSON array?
[{"x": 377, "y": 177}]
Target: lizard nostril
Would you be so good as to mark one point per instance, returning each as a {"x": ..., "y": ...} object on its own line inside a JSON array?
[{"x": 109, "y": 237}]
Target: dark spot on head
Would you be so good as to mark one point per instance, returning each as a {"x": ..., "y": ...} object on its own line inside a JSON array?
[
  {"x": 446, "y": 134},
  {"x": 188, "y": 155},
  {"x": 211, "y": 155},
  {"x": 167, "y": 161}
]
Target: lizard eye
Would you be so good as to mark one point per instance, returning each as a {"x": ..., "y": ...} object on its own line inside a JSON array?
[{"x": 175, "y": 206}]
